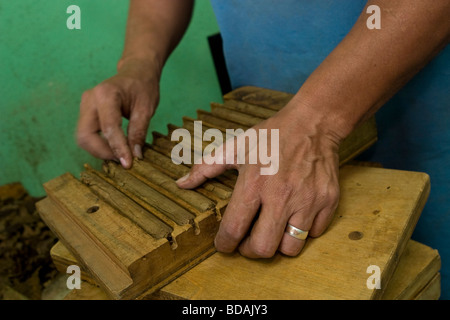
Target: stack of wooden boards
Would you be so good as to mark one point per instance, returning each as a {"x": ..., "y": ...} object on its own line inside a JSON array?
[{"x": 136, "y": 235}]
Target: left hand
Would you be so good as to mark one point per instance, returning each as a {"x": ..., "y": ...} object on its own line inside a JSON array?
[{"x": 304, "y": 192}]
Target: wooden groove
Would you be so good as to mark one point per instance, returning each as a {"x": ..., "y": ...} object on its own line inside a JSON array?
[
  {"x": 188, "y": 123},
  {"x": 217, "y": 121},
  {"x": 120, "y": 238},
  {"x": 126, "y": 206},
  {"x": 158, "y": 158},
  {"x": 153, "y": 198},
  {"x": 234, "y": 116},
  {"x": 161, "y": 216},
  {"x": 190, "y": 199},
  {"x": 250, "y": 109},
  {"x": 165, "y": 147}
]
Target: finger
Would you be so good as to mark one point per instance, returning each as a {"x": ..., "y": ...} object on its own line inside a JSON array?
[
  {"x": 87, "y": 131},
  {"x": 266, "y": 233},
  {"x": 110, "y": 116},
  {"x": 241, "y": 210},
  {"x": 210, "y": 167},
  {"x": 314, "y": 221},
  {"x": 138, "y": 126},
  {"x": 322, "y": 221},
  {"x": 290, "y": 245},
  {"x": 200, "y": 173}
]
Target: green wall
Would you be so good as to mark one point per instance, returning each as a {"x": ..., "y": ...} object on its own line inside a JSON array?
[{"x": 44, "y": 69}]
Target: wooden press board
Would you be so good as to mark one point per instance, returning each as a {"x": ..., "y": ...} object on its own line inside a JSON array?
[
  {"x": 416, "y": 277},
  {"x": 377, "y": 213}
]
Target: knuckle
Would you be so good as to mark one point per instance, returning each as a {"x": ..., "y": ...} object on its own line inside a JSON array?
[
  {"x": 82, "y": 140},
  {"x": 146, "y": 114},
  {"x": 196, "y": 172},
  {"x": 285, "y": 191},
  {"x": 221, "y": 247},
  {"x": 327, "y": 194},
  {"x": 108, "y": 132},
  {"x": 232, "y": 230},
  {"x": 262, "y": 250},
  {"x": 107, "y": 90},
  {"x": 334, "y": 193},
  {"x": 138, "y": 134},
  {"x": 323, "y": 192}
]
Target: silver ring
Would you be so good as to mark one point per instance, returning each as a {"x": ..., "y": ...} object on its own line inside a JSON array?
[{"x": 296, "y": 232}]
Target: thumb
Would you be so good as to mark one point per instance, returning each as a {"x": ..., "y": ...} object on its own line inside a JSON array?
[{"x": 200, "y": 173}]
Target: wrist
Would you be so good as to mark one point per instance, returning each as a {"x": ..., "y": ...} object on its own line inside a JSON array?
[
  {"x": 315, "y": 120},
  {"x": 144, "y": 66}
]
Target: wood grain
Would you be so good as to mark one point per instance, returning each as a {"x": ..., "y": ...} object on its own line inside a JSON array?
[
  {"x": 383, "y": 205},
  {"x": 416, "y": 276},
  {"x": 332, "y": 266},
  {"x": 418, "y": 266}
]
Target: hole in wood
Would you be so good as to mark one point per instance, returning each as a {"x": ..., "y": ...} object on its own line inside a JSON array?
[
  {"x": 355, "y": 235},
  {"x": 172, "y": 242},
  {"x": 92, "y": 209}
]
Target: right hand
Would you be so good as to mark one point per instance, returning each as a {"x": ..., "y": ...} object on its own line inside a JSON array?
[{"x": 134, "y": 94}]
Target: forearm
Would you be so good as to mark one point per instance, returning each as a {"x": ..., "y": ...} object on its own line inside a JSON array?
[
  {"x": 154, "y": 28},
  {"x": 369, "y": 66}
]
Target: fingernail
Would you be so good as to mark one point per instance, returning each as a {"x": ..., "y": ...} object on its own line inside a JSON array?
[
  {"x": 183, "y": 179},
  {"x": 138, "y": 151},
  {"x": 124, "y": 162}
]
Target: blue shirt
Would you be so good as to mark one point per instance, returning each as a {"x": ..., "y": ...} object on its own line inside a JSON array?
[{"x": 277, "y": 44}]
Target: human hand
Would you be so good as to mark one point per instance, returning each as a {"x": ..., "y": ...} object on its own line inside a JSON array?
[
  {"x": 132, "y": 93},
  {"x": 303, "y": 193}
]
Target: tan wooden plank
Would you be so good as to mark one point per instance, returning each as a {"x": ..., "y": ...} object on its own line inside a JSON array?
[
  {"x": 418, "y": 265},
  {"x": 382, "y": 205},
  {"x": 101, "y": 268},
  {"x": 88, "y": 291},
  {"x": 364, "y": 136},
  {"x": 62, "y": 258},
  {"x": 413, "y": 278},
  {"x": 119, "y": 236},
  {"x": 432, "y": 291},
  {"x": 333, "y": 266}
]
